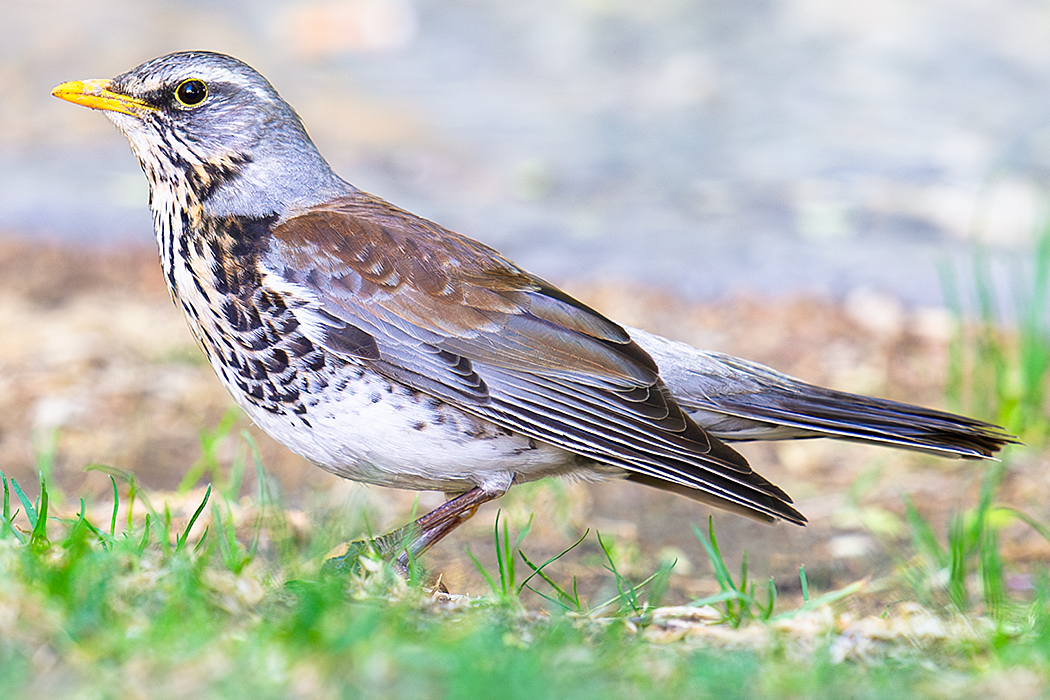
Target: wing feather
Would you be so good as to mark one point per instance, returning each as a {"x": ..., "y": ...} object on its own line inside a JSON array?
[{"x": 452, "y": 318}]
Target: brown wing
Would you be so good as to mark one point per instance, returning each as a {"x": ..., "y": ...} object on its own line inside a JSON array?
[{"x": 452, "y": 318}]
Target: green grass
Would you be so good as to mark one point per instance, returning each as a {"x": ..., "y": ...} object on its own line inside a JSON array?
[
  {"x": 998, "y": 366},
  {"x": 741, "y": 598},
  {"x": 218, "y": 598}
]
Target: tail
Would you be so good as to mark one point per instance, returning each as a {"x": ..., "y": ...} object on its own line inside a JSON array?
[{"x": 736, "y": 400}]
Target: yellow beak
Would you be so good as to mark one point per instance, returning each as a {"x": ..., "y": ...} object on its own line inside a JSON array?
[{"x": 97, "y": 95}]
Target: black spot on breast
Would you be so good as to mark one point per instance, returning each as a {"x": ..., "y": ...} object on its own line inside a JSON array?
[
  {"x": 254, "y": 319},
  {"x": 375, "y": 397},
  {"x": 209, "y": 340},
  {"x": 283, "y": 396},
  {"x": 208, "y": 177},
  {"x": 257, "y": 370},
  {"x": 299, "y": 345},
  {"x": 277, "y": 361},
  {"x": 272, "y": 299},
  {"x": 315, "y": 360},
  {"x": 421, "y": 425},
  {"x": 190, "y": 310},
  {"x": 231, "y": 311},
  {"x": 316, "y": 382},
  {"x": 200, "y": 286},
  {"x": 286, "y": 323},
  {"x": 254, "y": 340}
]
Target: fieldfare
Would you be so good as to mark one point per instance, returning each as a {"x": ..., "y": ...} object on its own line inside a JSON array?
[{"x": 392, "y": 351}]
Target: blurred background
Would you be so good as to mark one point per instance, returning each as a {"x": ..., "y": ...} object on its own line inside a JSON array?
[
  {"x": 709, "y": 146},
  {"x": 778, "y": 179}
]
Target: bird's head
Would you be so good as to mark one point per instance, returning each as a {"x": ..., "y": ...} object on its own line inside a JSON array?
[{"x": 212, "y": 123}]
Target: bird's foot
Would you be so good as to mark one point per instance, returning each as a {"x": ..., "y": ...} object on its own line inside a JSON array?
[
  {"x": 371, "y": 556},
  {"x": 393, "y": 548}
]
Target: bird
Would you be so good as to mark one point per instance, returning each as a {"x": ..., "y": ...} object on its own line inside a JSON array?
[{"x": 390, "y": 350}]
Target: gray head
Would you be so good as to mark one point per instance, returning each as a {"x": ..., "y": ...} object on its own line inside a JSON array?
[{"x": 217, "y": 124}]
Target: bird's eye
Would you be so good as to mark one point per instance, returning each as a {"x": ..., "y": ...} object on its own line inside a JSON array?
[{"x": 191, "y": 93}]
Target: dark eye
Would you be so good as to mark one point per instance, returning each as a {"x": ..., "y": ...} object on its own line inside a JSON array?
[{"x": 191, "y": 93}]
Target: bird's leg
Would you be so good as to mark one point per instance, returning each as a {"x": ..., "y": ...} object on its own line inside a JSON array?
[
  {"x": 406, "y": 543},
  {"x": 428, "y": 530}
]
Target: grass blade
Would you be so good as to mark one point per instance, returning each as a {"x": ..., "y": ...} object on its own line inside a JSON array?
[
  {"x": 923, "y": 537},
  {"x": 623, "y": 586},
  {"x": 30, "y": 509},
  {"x": 181, "y": 541},
  {"x": 116, "y": 506},
  {"x": 538, "y": 570},
  {"x": 824, "y": 599},
  {"x": 38, "y": 539},
  {"x": 722, "y": 575}
]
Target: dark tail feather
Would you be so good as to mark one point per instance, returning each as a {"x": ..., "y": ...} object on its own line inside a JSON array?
[
  {"x": 820, "y": 412},
  {"x": 790, "y": 408},
  {"x": 737, "y": 400}
]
